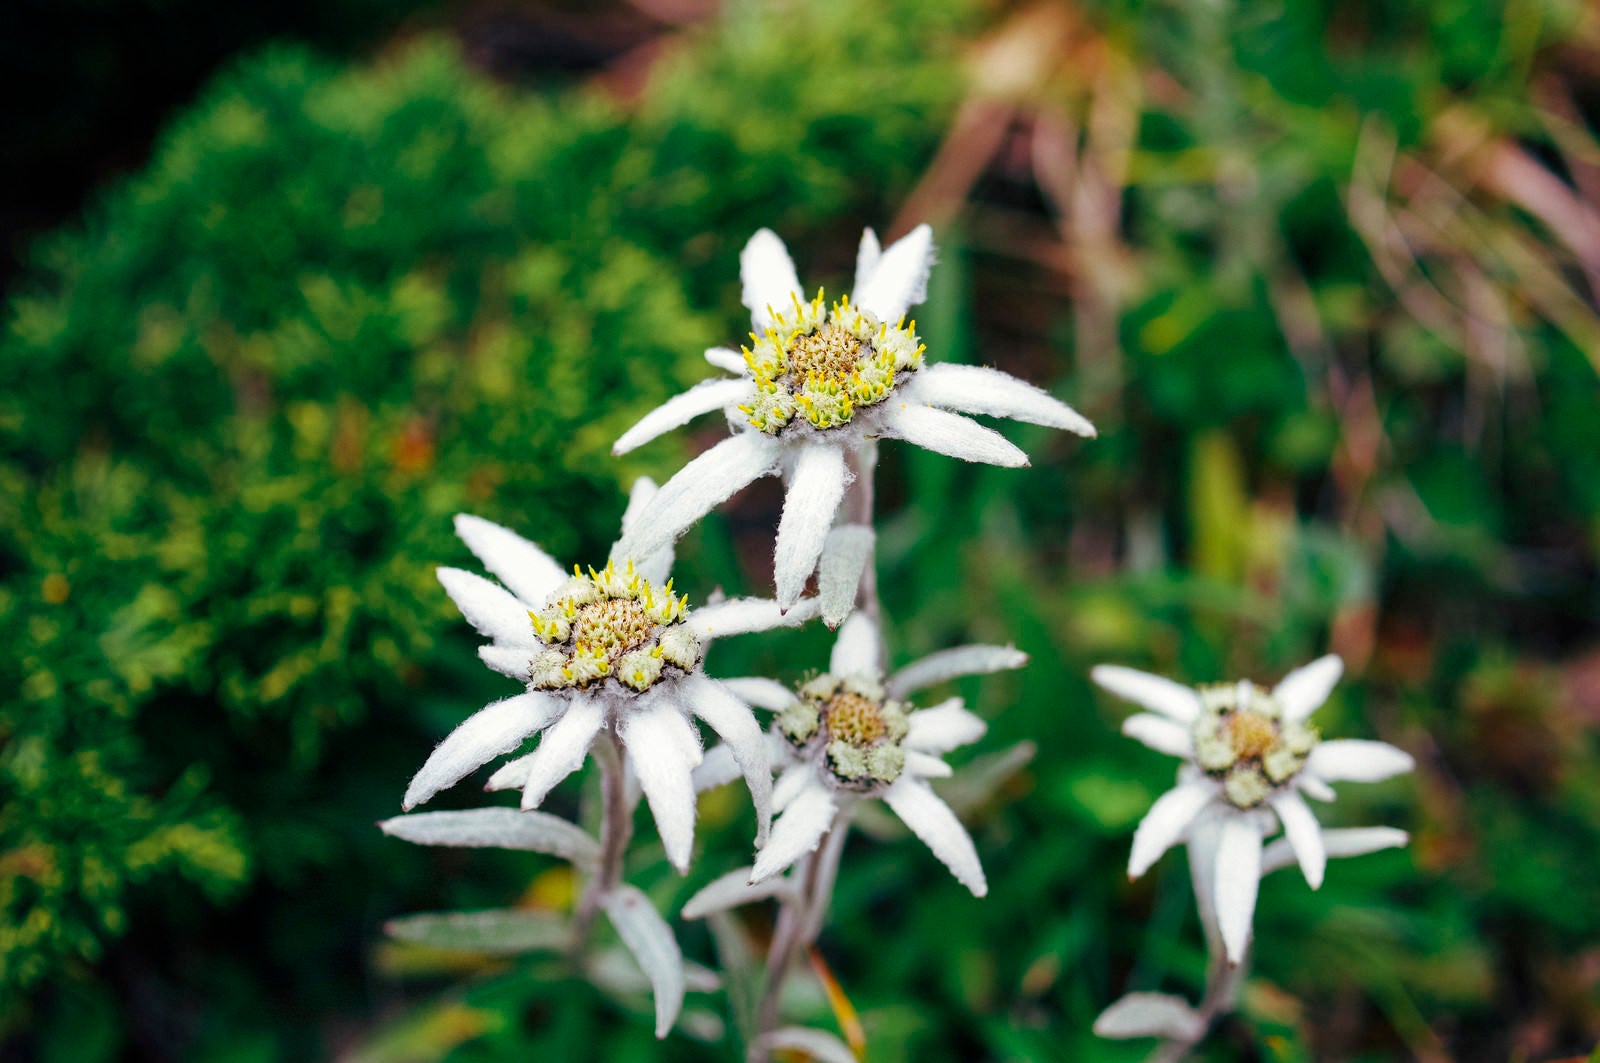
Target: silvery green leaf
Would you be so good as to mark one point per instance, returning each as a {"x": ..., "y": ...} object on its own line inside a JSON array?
[
  {"x": 497, "y": 828},
  {"x": 703, "y": 1025},
  {"x": 820, "y": 1045},
  {"x": 617, "y": 970},
  {"x": 650, "y": 940},
  {"x": 980, "y": 779},
  {"x": 502, "y": 931},
  {"x": 1150, "y": 1015},
  {"x": 741, "y": 974},
  {"x": 731, "y": 891}
]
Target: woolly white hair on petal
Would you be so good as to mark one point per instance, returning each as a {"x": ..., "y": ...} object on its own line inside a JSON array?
[
  {"x": 796, "y": 832},
  {"x": 531, "y": 573},
  {"x": 563, "y": 749},
  {"x": 931, "y": 820},
  {"x": 952, "y": 435},
  {"x": 899, "y": 278},
  {"x": 981, "y": 390},
  {"x": 767, "y": 277},
  {"x": 491, "y": 731},
  {"x": 816, "y": 488},
  {"x": 1173, "y": 700}
]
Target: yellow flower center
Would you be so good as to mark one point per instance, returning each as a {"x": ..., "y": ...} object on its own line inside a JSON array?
[
  {"x": 822, "y": 364},
  {"x": 857, "y": 729},
  {"x": 1251, "y": 734},
  {"x": 611, "y": 624},
  {"x": 849, "y": 717},
  {"x": 1242, "y": 739},
  {"x": 831, "y": 352}
]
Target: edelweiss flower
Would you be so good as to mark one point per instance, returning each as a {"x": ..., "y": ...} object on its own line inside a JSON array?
[
  {"x": 1249, "y": 755},
  {"x": 849, "y": 735},
  {"x": 612, "y": 648},
  {"x": 818, "y": 381}
]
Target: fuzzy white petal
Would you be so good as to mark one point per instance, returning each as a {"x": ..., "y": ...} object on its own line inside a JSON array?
[
  {"x": 926, "y": 765},
  {"x": 1173, "y": 700},
  {"x": 1304, "y": 835},
  {"x": 733, "y": 890},
  {"x": 563, "y": 749},
  {"x": 899, "y": 278},
  {"x": 943, "y": 727},
  {"x": 658, "y": 740},
  {"x": 698, "y": 488},
  {"x": 796, "y": 832},
  {"x": 514, "y": 661},
  {"x": 648, "y": 937},
  {"x": 655, "y": 566},
  {"x": 1313, "y": 787},
  {"x": 868, "y": 253},
  {"x": 845, "y": 556},
  {"x": 741, "y": 734},
  {"x": 683, "y": 408},
  {"x": 1160, "y": 734},
  {"x": 760, "y": 692},
  {"x": 491, "y": 609},
  {"x": 1238, "y": 879},
  {"x": 1340, "y": 841},
  {"x": 950, "y": 433},
  {"x": 486, "y": 734},
  {"x": 716, "y": 768},
  {"x": 1166, "y": 821},
  {"x": 857, "y": 649},
  {"x": 1303, "y": 690},
  {"x": 767, "y": 278},
  {"x": 726, "y": 358},
  {"x": 512, "y": 775},
  {"x": 1356, "y": 760},
  {"x": 794, "y": 781},
  {"x": 740, "y": 616},
  {"x": 952, "y": 664},
  {"x": 982, "y": 390},
  {"x": 931, "y": 820},
  {"x": 815, "y": 490},
  {"x": 530, "y": 572}
]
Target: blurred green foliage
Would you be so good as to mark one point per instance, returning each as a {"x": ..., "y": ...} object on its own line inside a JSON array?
[{"x": 239, "y": 403}]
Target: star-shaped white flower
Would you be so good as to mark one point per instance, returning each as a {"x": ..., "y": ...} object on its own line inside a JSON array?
[
  {"x": 848, "y": 735},
  {"x": 611, "y": 649},
  {"x": 1249, "y": 755},
  {"x": 815, "y": 384}
]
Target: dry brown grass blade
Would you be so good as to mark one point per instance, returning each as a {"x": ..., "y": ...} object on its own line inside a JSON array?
[{"x": 844, "y": 1012}]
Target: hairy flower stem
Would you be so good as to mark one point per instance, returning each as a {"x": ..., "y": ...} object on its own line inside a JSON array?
[
  {"x": 800, "y": 919},
  {"x": 1224, "y": 980},
  {"x": 616, "y": 828},
  {"x": 864, "y": 465}
]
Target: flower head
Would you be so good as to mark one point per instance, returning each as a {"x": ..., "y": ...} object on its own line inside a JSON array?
[
  {"x": 1249, "y": 755},
  {"x": 817, "y": 382},
  {"x": 608, "y": 649},
  {"x": 850, "y": 734}
]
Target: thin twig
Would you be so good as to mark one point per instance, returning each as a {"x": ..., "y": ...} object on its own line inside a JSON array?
[{"x": 616, "y": 828}]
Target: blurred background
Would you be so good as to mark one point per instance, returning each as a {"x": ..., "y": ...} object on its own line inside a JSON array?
[{"x": 288, "y": 285}]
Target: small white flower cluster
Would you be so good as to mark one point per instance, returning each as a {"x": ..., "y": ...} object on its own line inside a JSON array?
[
  {"x": 1249, "y": 759},
  {"x": 614, "y": 655}
]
